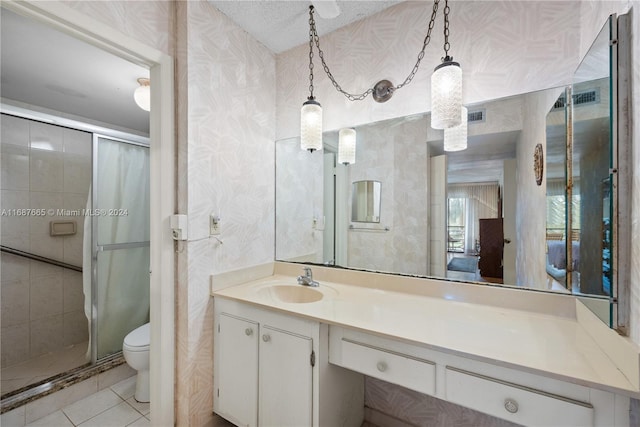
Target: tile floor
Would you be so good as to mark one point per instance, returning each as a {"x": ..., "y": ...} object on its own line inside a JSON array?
[
  {"x": 114, "y": 406},
  {"x": 42, "y": 367}
]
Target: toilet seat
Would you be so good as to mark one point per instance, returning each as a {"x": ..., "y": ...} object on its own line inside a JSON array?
[{"x": 138, "y": 340}]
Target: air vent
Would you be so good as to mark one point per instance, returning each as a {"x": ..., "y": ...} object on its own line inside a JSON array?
[
  {"x": 476, "y": 116},
  {"x": 586, "y": 97}
]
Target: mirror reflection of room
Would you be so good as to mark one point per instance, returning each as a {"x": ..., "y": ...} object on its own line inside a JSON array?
[{"x": 497, "y": 210}]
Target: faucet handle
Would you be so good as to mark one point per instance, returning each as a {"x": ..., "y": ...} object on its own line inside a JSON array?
[{"x": 308, "y": 272}]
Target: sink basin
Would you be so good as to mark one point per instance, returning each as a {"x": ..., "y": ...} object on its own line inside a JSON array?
[{"x": 291, "y": 293}]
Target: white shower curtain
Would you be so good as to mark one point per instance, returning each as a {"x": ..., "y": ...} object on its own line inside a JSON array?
[{"x": 122, "y": 300}]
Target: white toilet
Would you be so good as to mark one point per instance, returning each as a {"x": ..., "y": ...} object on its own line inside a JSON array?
[{"x": 135, "y": 349}]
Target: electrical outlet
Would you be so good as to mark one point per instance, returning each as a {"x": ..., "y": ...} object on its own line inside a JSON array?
[{"x": 214, "y": 225}]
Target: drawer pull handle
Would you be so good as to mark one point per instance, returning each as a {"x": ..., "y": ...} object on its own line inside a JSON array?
[
  {"x": 248, "y": 332},
  {"x": 511, "y": 406},
  {"x": 381, "y": 366},
  {"x": 266, "y": 338}
]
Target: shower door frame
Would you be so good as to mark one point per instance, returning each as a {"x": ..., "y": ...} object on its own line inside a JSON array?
[{"x": 162, "y": 176}]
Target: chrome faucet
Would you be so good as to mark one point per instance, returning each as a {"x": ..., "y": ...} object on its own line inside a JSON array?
[{"x": 307, "y": 279}]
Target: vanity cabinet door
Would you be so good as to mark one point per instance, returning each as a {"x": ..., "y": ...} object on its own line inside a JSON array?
[
  {"x": 286, "y": 374},
  {"x": 237, "y": 391}
]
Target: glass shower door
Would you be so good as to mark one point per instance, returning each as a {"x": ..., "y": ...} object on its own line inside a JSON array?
[{"x": 120, "y": 220}]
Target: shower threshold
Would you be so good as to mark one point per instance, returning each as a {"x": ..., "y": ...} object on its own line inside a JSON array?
[{"x": 22, "y": 396}]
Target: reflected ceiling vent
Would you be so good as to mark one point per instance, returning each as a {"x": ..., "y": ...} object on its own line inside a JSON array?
[
  {"x": 477, "y": 116},
  {"x": 585, "y": 97}
]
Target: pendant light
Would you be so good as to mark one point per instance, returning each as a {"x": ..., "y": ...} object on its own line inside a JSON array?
[
  {"x": 446, "y": 81},
  {"x": 311, "y": 112},
  {"x": 446, "y": 86},
  {"x": 142, "y": 94},
  {"x": 347, "y": 146},
  {"x": 455, "y": 138}
]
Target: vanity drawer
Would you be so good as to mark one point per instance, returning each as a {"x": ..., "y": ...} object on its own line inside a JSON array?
[
  {"x": 408, "y": 371},
  {"x": 519, "y": 404}
]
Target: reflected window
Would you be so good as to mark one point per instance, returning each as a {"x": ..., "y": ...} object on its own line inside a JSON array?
[{"x": 455, "y": 224}]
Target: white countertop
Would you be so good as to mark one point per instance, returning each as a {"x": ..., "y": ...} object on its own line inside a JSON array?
[{"x": 551, "y": 345}]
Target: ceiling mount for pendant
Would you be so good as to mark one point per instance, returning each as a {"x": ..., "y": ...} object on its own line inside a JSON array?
[{"x": 383, "y": 91}]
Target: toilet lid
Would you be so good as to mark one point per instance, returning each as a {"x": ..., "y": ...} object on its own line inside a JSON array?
[{"x": 139, "y": 337}]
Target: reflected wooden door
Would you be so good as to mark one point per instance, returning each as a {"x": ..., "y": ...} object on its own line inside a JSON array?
[{"x": 491, "y": 247}]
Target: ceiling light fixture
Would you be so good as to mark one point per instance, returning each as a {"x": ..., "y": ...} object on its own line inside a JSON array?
[
  {"x": 455, "y": 138},
  {"x": 446, "y": 86},
  {"x": 142, "y": 94},
  {"x": 347, "y": 146}
]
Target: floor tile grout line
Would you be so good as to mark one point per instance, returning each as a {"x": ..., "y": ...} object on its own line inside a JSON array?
[
  {"x": 95, "y": 415},
  {"x": 134, "y": 408},
  {"x": 65, "y": 415},
  {"x": 100, "y": 413}
]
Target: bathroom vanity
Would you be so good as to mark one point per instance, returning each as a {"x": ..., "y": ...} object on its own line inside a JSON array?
[{"x": 285, "y": 354}]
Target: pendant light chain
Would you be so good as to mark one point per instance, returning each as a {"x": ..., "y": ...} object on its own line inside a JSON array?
[
  {"x": 311, "y": 25},
  {"x": 315, "y": 39},
  {"x": 446, "y": 32}
]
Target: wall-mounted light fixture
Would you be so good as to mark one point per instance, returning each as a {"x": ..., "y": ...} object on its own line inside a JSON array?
[
  {"x": 455, "y": 138},
  {"x": 446, "y": 86},
  {"x": 142, "y": 94},
  {"x": 347, "y": 146}
]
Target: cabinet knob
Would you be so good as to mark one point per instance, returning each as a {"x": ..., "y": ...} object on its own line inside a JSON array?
[
  {"x": 248, "y": 332},
  {"x": 511, "y": 406},
  {"x": 382, "y": 366},
  {"x": 266, "y": 338}
]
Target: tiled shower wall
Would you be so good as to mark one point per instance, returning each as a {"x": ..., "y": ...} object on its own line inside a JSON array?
[{"x": 43, "y": 167}]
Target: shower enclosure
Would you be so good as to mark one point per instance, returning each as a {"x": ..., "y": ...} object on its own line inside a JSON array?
[{"x": 75, "y": 246}]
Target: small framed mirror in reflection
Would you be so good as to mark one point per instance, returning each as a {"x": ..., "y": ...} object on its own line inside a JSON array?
[{"x": 365, "y": 206}]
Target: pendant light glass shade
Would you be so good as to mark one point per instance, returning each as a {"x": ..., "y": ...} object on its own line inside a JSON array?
[
  {"x": 446, "y": 95},
  {"x": 347, "y": 146},
  {"x": 311, "y": 126},
  {"x": 455, "y": 138},
  {"x": 142, "y": 94}
]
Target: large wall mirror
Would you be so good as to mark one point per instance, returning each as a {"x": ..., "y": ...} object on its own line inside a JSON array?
[{"x": 476, "y": 215}]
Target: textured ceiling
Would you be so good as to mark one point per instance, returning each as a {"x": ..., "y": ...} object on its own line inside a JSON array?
[
  {"x": 281, "y": 25},
  {"x": 45, "y": 67}
]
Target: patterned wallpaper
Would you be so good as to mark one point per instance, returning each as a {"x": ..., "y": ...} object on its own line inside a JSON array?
[
  {"x": 150, "y": 22},
  {"x": 226, "y": 134}
]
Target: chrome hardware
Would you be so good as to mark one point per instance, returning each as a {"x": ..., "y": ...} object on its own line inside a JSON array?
[
  {"x": 382, "y": 366},
  {"x": 511, "y": 406},
  {"x": 266, "y": 338},
  {"x": 248, "y": 332},
  {"x": 307, "y": 279}
]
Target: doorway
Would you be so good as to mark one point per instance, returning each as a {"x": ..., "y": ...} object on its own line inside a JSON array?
[{"x": 162, "y": 153}]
